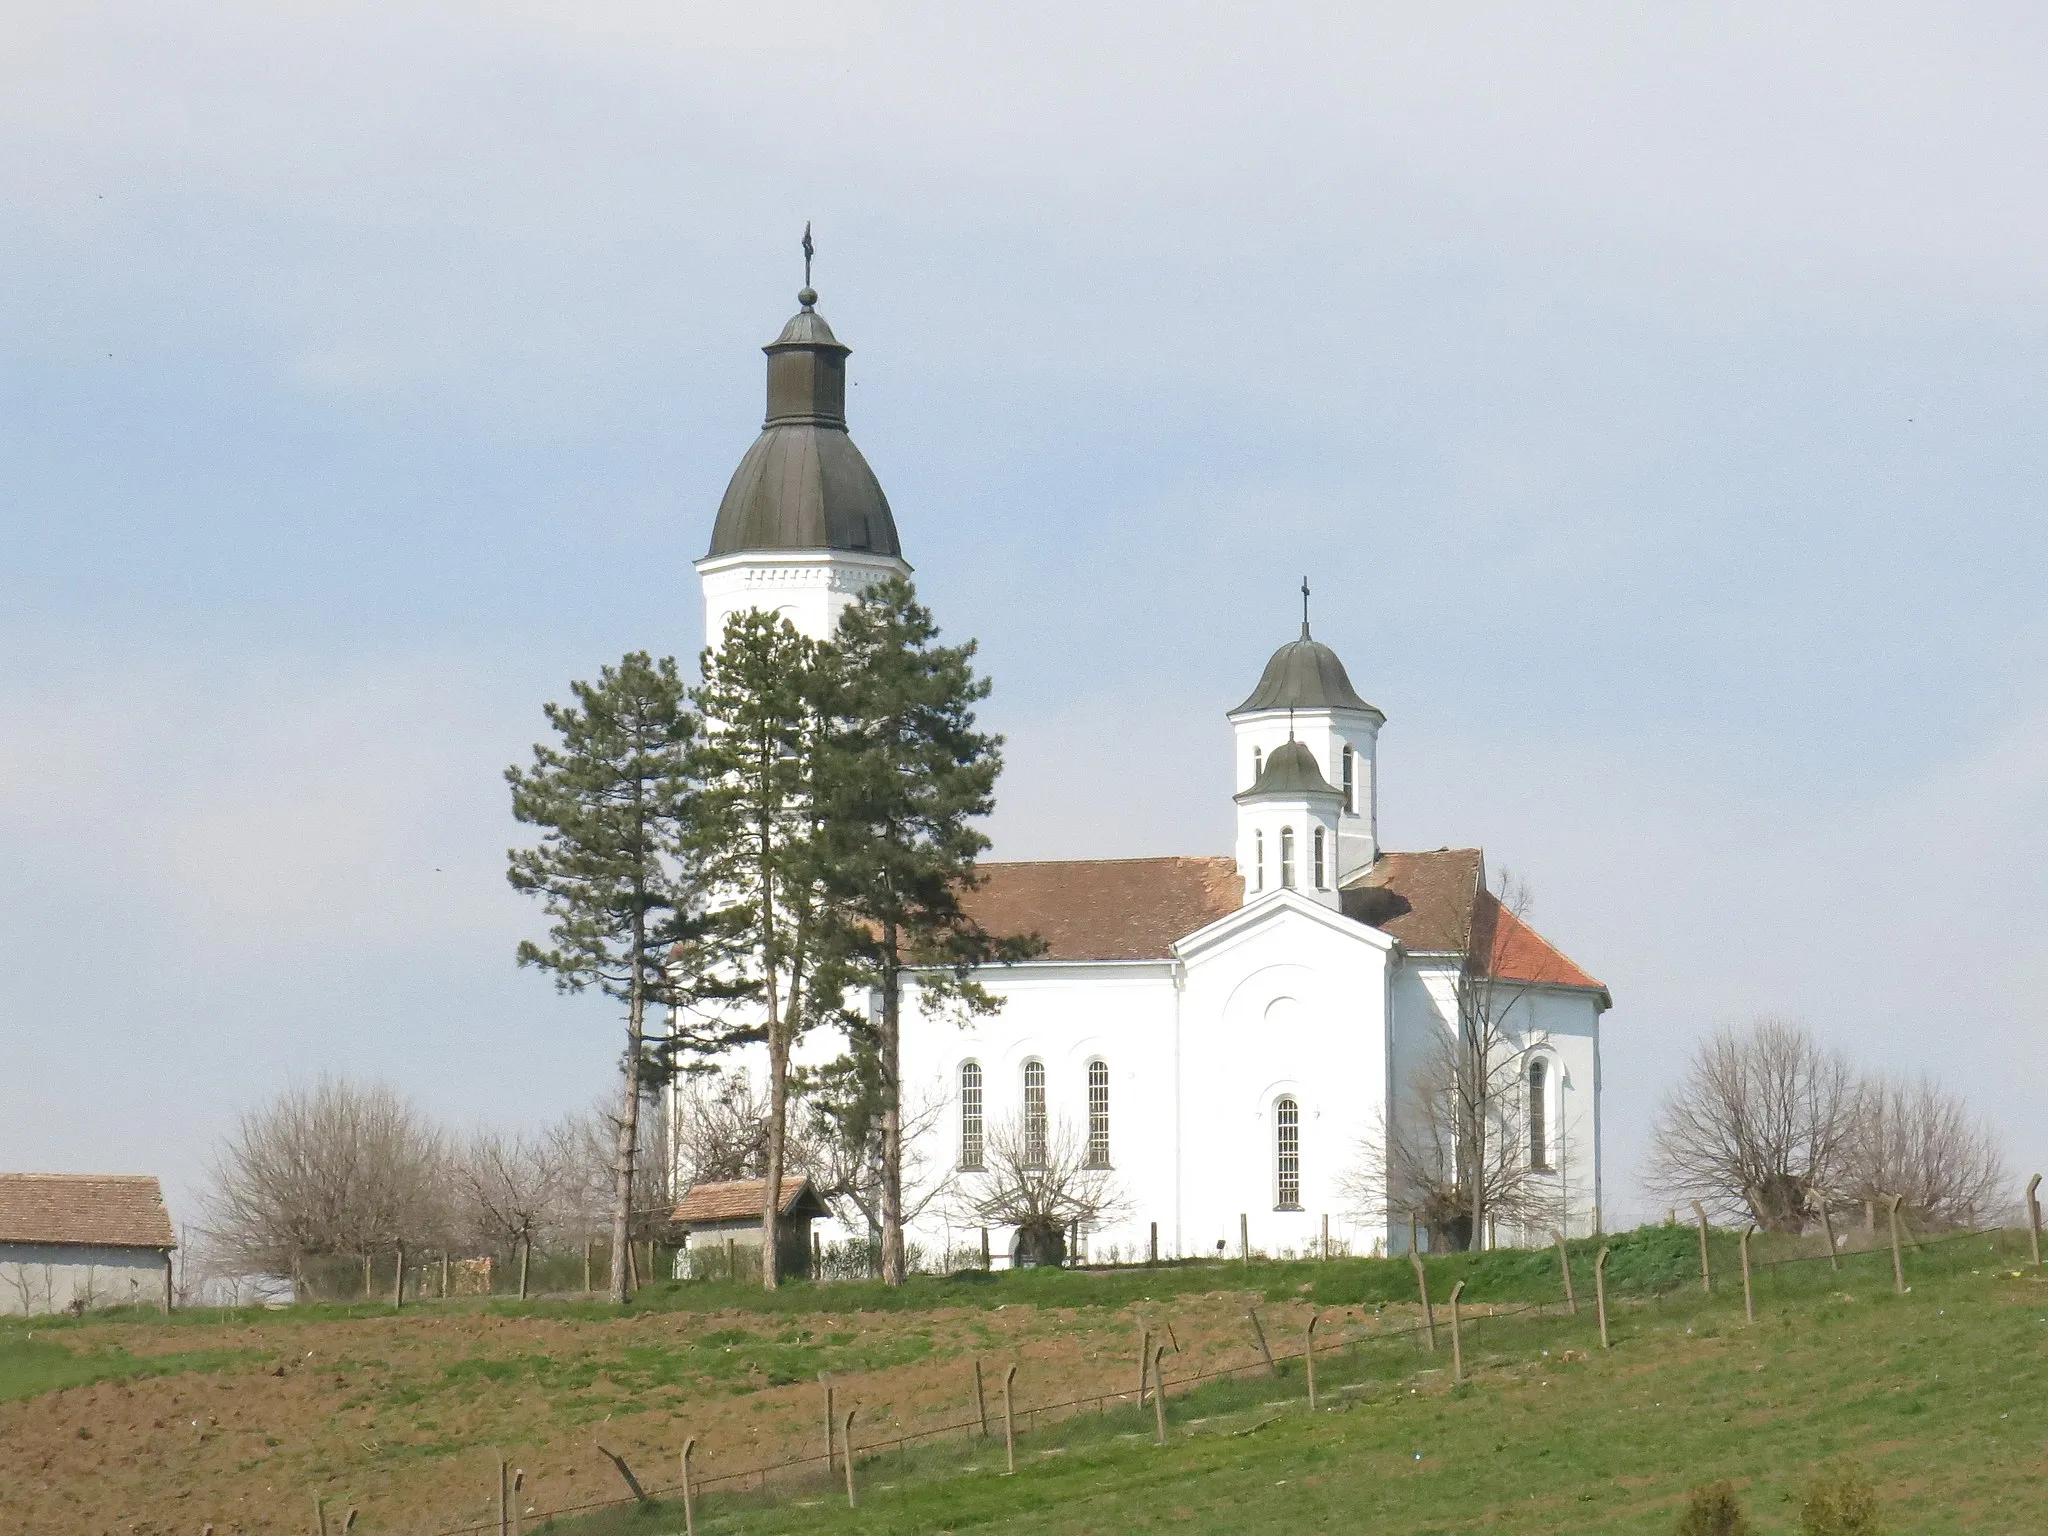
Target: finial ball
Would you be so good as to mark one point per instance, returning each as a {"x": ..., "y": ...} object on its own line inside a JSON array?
[{"x": 807, "y": 297}]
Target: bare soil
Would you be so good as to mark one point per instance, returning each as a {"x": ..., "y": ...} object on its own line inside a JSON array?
[{"x": 405, "y": 1417}]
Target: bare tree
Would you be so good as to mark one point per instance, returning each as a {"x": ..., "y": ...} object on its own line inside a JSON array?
[
  {"x": 1919, "y": 1141},
  {"x": 841, "y": 1146},
  {"x": 1039, "y": 1183},
  {"x": 1760, "y": 1121},
  {"x": 335, "y": 1168},
  {"x": 721, "y": 1129},
  {"x": 509, "y": 1191},
  {"x": 1422, "y": 1161}
]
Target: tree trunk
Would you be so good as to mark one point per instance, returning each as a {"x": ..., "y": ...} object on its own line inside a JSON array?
[
  {"x": 778, "y": 1073},
  {"x": 893, "y": 1264},
  {"x": 629, "y": 1120}
]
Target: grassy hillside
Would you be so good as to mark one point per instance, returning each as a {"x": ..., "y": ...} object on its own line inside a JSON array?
[{"x": 239, "y": 1417}]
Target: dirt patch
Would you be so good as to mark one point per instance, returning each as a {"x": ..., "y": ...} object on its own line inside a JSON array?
[{"x": 404, "y": 1417}]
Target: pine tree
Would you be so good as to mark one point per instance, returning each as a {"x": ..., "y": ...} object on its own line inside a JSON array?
[
  {"x": 617, "y": 877},
  {"x": 758, "y": 838},
  {"x": 904, "y": 778}
]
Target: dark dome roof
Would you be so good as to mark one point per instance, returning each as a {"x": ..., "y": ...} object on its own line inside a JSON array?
[
  {"x": 804, "y": 485},
  {"x": 1291, "y": 770},
  {"x": 1304, "y": 674}
]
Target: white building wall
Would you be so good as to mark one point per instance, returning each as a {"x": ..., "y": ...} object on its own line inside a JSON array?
[
  {"x": 810, "y": 587},
  {"x": 40, "y": 1278}
]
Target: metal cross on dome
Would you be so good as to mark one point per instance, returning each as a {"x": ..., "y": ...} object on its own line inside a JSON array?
[
  {"x": 809, "y": 251},
  {"x": 1304, "y": 605}
]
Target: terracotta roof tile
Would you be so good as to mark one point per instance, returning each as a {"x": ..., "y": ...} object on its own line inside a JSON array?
[
  {"x": 1520, "y": 953},
  {"x": 1106, "y": 909},
  {"x": 103, "y": 1210},
  {"x": 739, "y": 1199}
]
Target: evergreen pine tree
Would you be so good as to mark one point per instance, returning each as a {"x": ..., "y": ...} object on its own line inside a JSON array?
[
  {"x": 904, "y": 778},
  {"x": 615, "y": 873},
  {"x": 758, "y": 839}
]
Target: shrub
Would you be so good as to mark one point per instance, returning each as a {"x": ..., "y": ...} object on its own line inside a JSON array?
[
  {"x": 1839, "y": 1502},
  {"x": 1714, "y": 1511}
]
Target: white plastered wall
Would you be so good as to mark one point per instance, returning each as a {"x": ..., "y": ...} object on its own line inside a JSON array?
[
  {"x": 810, "y": 587},
  {"x": 41, "y": 1278}
]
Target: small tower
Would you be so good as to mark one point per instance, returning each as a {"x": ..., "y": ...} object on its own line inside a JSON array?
[
  {"x": 804, "y": 527},
  {"x": 1305, "y": 697},
  {"x": 1287, "y": 828}
]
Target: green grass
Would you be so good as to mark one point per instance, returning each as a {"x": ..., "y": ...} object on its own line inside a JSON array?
[
  {"x": 1940, "y": 1395},
  {"x": 32, "y": 1366}
]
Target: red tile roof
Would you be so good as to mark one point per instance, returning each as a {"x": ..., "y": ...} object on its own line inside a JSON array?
[
  {"x": 1520, "y": 953},
  {"x": 740, "y": 1199},
  {"x": 1106, "y": 909},
  {"x": 101, "y": 1210}
]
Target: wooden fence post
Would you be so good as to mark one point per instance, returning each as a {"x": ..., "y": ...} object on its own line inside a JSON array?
[
  {"x": 1144, "y": 1361},
  {"x": 1600, "y": 1295},
  {"x": 170, "y": 1284},
  {"x": 1154, "y": 1259},
  {"x": 987, "y": 1261},
  {"x": 1009, "y": 1420},
  {"x": 1706, "y": 1264},
  {"x": 1260, "y": 1334},
  {"x": 320, "y": 1514},
  {"x": 444, "y": 1274},
  {"x": 1564, "y": 1262},
  {"x": 1310, "y": 1358},
  {"x": 525, "y": 1262},
  {"x": 1325, "y": 1254},
  {"x": 2034, "y": 1218},
  {"x": 1748, "y": 1297},
  {"x": 1827, "y": 1227},
  {"x": 690, "y": 1493},
  {"x": 980, "y": 1401},
  {"x": 586, "y": 1266},
  {"x": 518, "y": 1498},
  {"x": 1159, "y": 1395},
  {"x": 830, "y": 1420},
  {"x": 504, "y": 1498},
  {"x": 398, "y": 1281},
  {"x": 846, "y": 1457},
  {"x": 1244, "y": 1238},
  {"x": 1422, "y": 1287},
  {"x": 1898, "y": 1262},
  {"x": 1457, "y": 1335},
  {"x": 817, "y": 1256}
]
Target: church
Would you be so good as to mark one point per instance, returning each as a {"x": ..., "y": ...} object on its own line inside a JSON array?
[{"x": 1235, "y": 1040}]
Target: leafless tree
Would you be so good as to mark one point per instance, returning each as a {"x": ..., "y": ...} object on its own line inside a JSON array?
[
  {"x": 509, "y": 1191},
  {"x": 1039, "y": 1183},
  {"x": 842, "y": 1155},
  {"x": 1760, "y": 1121},
  {"x": 335, "y": 1168},
  {"x": 1918, "y": 1140},
  {"x": 1419, "y": 1163},
  {"x": 721, "y": 1129}
]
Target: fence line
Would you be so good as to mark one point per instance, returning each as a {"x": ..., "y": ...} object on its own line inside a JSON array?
[{"x": 1181, "y": 1385}]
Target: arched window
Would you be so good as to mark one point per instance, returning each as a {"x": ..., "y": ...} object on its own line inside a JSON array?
[
  {"x": 1258, "y": 763},
  {"x": 1539, "y": 1107},
  {"x": 1286, "y": 858},
  {"x": 1258, "y": 861},
  {"x": 1321, "y": 882},
  {"x": 1286, "y": 1155},
  {"x": 970, "y": 1115},
  {"x": 1034, "y": 1114},
  {"x": 1098, "y": 1114},
  {"x": 1350, "y": 782}
]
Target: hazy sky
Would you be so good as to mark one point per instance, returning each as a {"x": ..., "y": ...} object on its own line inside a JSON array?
[{"x": 1655, "y": 396}]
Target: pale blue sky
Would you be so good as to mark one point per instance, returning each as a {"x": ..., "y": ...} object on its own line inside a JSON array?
[{"x": 1655, "y": 398}]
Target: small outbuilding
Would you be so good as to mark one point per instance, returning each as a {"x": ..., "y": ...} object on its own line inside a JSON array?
[
  {"x": 75, "y": 1242},
  {"x": 721, "y": 1228}
]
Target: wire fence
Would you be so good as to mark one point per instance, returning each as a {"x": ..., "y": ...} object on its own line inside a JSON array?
[{"x": 1346, "y": 1361}]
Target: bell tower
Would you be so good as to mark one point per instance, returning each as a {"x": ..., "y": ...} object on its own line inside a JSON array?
[{"x": 804, "y": 528}]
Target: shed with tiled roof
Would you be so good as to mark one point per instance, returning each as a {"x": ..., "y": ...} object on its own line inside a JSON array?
[
  {"x": 720, "y": 1223},
  {"x": 75, "y": 1242}
]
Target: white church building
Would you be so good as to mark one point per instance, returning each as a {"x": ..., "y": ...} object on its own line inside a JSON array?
[{"x": 1225, "y": 1032}]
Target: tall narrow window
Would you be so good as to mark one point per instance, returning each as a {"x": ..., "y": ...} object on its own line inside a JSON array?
[
  {"x": 1034, "y": 1114},
  {"x": 1350, "y": 782},
  {"x": 1320, "y": 860},
  {"x": 1258, "y": 763},
  {"x": 1098, "y": 1114},
  {"x": 1287, "y": 1155},
  {"x": 1539, "y": 1130},
  {"x": 1258, "y": 861},
  {"x": 970, "y": 1115},
  {"x": 1286, "y": 858}
]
